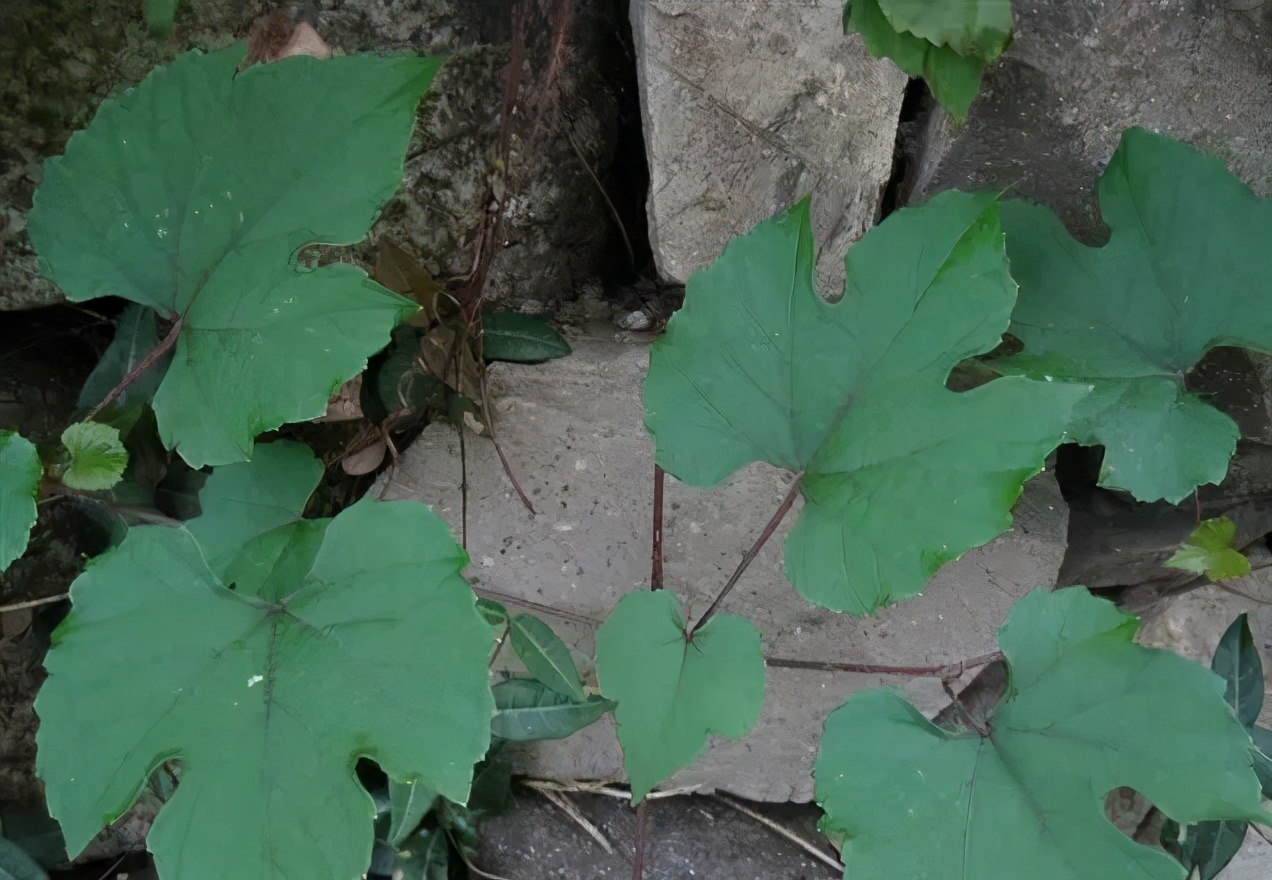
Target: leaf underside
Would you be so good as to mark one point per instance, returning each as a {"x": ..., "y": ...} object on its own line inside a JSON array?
[
  {"x": 1209, "y": 551},
  {"x": 1184, "y": 268},
  {"x": 671, "y": 693},
  {"x": 1086, "y": 711},
  {"x": 267, "y": 673},
  {"x": 191, "y": 194},
  {"x": 900, "y": 475},
  {"x": 98, "y": 457},
  {"x": 20, "y": 474}
]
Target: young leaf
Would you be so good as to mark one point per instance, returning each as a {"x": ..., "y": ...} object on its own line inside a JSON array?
[
  {"x": 522, "y": 339},
  {"x": 527, "y": 709},
  {"x": 1086, "y": 711},
  {"x": 1209, "y": 549},
  {"x": 135, "y": 337},
  {"x": 1205, "y": 848},
  {"x": 969, "y": 27},
  {"x": 324, "y": 641},
  {"x": 20, "y": 474},
  {"x": 545, "y": 656},
  {"x": 192, "y": 192},
  {"x": 900, "y": 474},
  {"x": 97, "y": 457},
  {"x": 1185, "y": 261},
  {"x": 408, "y": 803},
  {"x": 953, "y": 79},
  {"x": 1238, "y": 663},
  {"x": 672, "y": 692}
]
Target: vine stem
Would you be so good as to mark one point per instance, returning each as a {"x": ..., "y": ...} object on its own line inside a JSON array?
[
  {"x": 747, "y": 559},
  {"x": 638, "y": 858},
  {"x": 948, "y": 670},
  {"x": 146, "y": 363},
  {"x": 33, "y": 603},
  {"x": 656, "y": 543}
]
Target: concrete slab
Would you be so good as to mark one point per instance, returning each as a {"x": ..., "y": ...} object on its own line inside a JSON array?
[{"x": 573, "y": 432}]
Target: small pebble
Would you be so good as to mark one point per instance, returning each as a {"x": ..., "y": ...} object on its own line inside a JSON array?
[{"x": 636, "y": 320}]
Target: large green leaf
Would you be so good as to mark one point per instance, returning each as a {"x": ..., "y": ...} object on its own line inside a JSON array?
[
  {"x": 969, "y": 27},
  {"x": 1086, "y": 711},
  {"x": 321, "y": 642},
  {"x": 953, "y": 79},
  {"x": 1209, "y": 550},
  {"x": 20, "y": 474},
  {"x": 1185, "y": 269},
  {"x": 527, "y": 709},
  {"x": 192, "y": 193},
  {"x": 672, "y": 692},
  {"x": 900, "y": 474}
]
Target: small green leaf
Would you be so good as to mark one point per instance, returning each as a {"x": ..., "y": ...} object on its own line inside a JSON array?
[
  {"x": 1206, "y": 847},
  {"x": 97, "y": 457},
  {"x": 545, "y": 656},
  {"x": 136, "y": 336},
  {"x": 1238, "y": 663},
  {"x": 408, "y": 802},
  {"x": 527, "y": 709},
  {"x": 1086, "y": 711},
  {"x": 20, "y": 475},
  {"x": 522, "y": 339},
  {"x": 1209, "y": 550},
  {"x": 969, "y": 27},
  {"x": 1263, "y": 757},
  {"x": 424, "y": 856},
  {"x": 160, "y": 15},
  {"x": 15, "y": 864},
  {"x": 496, "y": 615},
  {"x": 953, "y": 79},
  {"x": 672, "y": 692}
]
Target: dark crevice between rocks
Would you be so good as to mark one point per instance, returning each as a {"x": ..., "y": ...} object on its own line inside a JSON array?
[{"x": 917, "y": 106}]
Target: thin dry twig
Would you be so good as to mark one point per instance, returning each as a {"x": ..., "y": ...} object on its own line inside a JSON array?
[
  {"x": 948, "y": 670},
  {"x": 603, "y": 788},
  {"x": 785, "y": 833},
  {"x": 490, "y": 426},
  {"x": 33, "y": 603},
  {"x": 558, "y": 800},
  {"x": 638, "y": 857},
  {"x": 656, "y": 544},
  {"x": 468, "y": 863},
  {"x": 534, "y": 606}
]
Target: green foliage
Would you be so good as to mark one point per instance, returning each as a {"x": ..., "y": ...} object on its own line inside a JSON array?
[
  {"x": 266, "y": 653},
  {"x": 527, "y": 709},
  {"x": 1209, "y": 550},
  {"x": 545, "y": 656},
  {"x": 160, "y": 15},
  {"x": 1204, "y": 849},
  {"x": 97, "y": 458},
  {"x": 900, "y": 475},
  {"x": 948, "y": 44},
  {"x": 20, "y": 474},
  {"x": 671, "y": 691},
  {"x": 15, "y": 864},
  {"x": 1133, "y": 316},
  {"x": 191, "y": 194},
  {"x": 409, "y": 802},
  {"x": 1021, "y": 792},
  {"x": 522, "y": 339},
  {"x": 136, "y": 335}
]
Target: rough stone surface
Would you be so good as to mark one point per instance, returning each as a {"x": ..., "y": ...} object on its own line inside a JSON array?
[
  {"x": 573, "y": 432},
  {"x": 748, "y": 107},
  {"x": 1079, "y": 72}
]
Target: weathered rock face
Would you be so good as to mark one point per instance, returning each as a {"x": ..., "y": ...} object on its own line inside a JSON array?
[
  {"x": 61, "y": 59},
  {"x": 573, "y": 431},
  {"x": 1079, "y": 72},
  {"x": 748, "y": 107}
]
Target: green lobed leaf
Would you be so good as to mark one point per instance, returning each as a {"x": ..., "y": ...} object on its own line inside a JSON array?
[
  {"x": 323, "y": 641},
  {"x": 545, "y": 656},
  {"x": 672, "y": 692},
  {"x": 192, "y": 193},
  {"x": 1209, "y": 550},
  {"x": 969, "y": 27},
  {"x": 527, "y": 709},
  {"x": 20, "y": 475},
  {"x": 1237, "y": 662},
  {"x": 1185, "y": 264},
  {"x": 408, "y": 804},
  {"x": 1205, "y": 848},
  {"x": 97, "y": 456},
  {"x": 900, "y": 475},
  {"x": 136, "y": 336},
  {"x": 522, "y": 339},
  {"x": 953, "y": 79},
  {"x": 1086, "y": 711}
]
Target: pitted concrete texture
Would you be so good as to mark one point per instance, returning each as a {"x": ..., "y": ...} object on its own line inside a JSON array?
[
  {"x": 573, "y": 432},
  {"x": 747, "y": 107}
]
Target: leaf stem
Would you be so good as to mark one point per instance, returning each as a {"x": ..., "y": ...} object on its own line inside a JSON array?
[
  {"x": 656, "y": 543},
  {"x": 146, "y": 363},
  {"x": 33, "y": 603},
  {"x": 638, "y": 858},
  {"x": 750, "y": 555},
  {"x": 948, "y": 670},
  {"x": 490, "y": 426}
]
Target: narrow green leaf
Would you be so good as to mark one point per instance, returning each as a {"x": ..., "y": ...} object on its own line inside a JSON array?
[
  {"x": 136, "y": 336},
  {"x": 20, "y": 475},
  {"x": 527, "y": 709},
  {"x": 496, "y": 615},
  {"x": 1238, "y": 663},
  {"x": 1206, "y": 847},
  {"x": 546, "y": 656},
  {"x": 1209, "y": 550},
  {"x": 424, "y": 856},
  {"x": 672, "y": 692},
  {"x": 1263, "y": 757},
  {"x": 522, "y": 339},
  {"x": 408, "y": 803},
  {"x": 15, "y": 864},
  {"x": 97, "y": 457}
]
